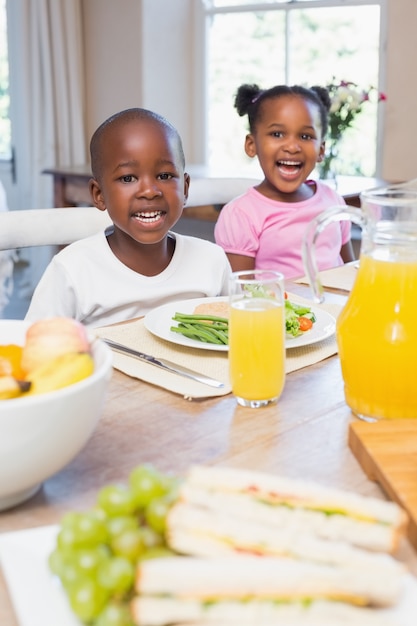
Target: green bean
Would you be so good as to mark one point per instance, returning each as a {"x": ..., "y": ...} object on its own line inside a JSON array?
[
  {"x": 204, "y": 332},
  {"x": 184, "y": 317},
  {"x": 198, "y": 333},
  {"x": 205, "y": 328}
]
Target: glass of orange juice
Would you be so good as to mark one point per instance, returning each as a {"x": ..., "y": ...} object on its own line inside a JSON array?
[{"x": 257, "y": 337}]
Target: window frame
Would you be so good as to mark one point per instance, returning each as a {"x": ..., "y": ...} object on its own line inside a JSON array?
[{"x": 204, "y": 9}]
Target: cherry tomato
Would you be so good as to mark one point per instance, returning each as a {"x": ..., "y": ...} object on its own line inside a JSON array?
[{"x": 305, "y": 323}]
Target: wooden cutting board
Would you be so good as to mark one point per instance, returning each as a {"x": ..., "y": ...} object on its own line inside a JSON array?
[{"x": 387, "y": 452}]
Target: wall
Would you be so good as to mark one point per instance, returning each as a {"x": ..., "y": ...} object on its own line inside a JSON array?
[
  {"x": 147, "y": 60},
  {"x": 399, "y": 160},
  {"x": 113, "y": 62},
  {"x": 168, "y": 63}
]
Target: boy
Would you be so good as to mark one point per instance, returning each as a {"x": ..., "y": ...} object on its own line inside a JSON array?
[{"x": 138, "y": 165}]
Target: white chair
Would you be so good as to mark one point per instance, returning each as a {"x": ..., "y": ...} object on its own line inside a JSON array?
[
  {"x": 49, "y": 227},
  {"x": 217, "y": 191},
  {"x": 42, "y": 231}
]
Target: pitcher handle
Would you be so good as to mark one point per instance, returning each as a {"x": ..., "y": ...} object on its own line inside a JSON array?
[{"x": 314, "y": 229}]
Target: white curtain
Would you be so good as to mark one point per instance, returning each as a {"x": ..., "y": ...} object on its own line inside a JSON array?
[
  {"x": 47, "y": 99},
  {"x": 7, "y": 258}
]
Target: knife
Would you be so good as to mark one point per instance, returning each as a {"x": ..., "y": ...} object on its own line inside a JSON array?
[{"x": 163, "y": 364}]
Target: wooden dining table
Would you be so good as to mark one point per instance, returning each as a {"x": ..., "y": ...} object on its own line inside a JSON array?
[{"x": 303, "y": 436}]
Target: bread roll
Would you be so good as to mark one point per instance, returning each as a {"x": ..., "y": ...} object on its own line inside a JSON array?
[{"x": 220, "y": 309}]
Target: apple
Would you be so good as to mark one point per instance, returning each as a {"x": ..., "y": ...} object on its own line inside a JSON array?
[{"x": 51, "y": 337}]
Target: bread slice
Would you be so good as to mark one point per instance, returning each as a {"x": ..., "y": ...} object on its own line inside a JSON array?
[
  {"x": 269, "y": 579},
  {"x": 220, "y": 309},
  {"x": 273, "y": 504},
  {"x": 204, "y": 532},
  {"x": 159, "y": 611}
]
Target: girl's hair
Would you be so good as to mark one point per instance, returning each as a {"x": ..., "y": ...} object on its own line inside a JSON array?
[{"x": 249, "y": 98}]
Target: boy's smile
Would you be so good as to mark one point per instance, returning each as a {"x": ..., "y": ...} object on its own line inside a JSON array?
[
  {"x": 149, "y": 217},
  {"x": 288, "y": 143}
]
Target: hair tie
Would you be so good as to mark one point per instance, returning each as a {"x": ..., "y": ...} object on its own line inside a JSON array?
[{"x": 255, "y": 98}]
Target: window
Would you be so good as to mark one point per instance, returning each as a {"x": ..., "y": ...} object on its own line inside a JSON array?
[
  {"x": 5, "y": 130},
  {"x": 294, "y": 42}
]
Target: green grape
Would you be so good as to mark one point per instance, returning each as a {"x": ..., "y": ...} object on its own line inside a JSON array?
[
  {"x": 151, "y": 538},
  {"x": 156, "y": 513},
  {"x": 157, "y": 552},
  {"x": 66, "y": 539},
  {"x": 97, "y": 551},
  {"x": 146, "y": 483},
  {"x": 116, "y": 525},
  {"x": 56, "y": 562},
  {"x": 73, "y": 567},
  {"x": 81, "y": 530},
  {"x": 114, "y": 615},
  {"x": 88, "y": 561},
  {"x": 71, "y": 576},
  {"x": 117, "y": 575},
  {"x": 91, "y": 530},
  {"x": 87, "y": 599},
  {"x": 128, "y": 544},
  {"x": 99, "y": 513},
  {"x": 68, "y": 519},
  {"x": 116, "y": 500}
]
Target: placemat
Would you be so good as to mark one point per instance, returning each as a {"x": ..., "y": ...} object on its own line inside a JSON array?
[
  {"x": 212, "y": 363},
  {"x": 341, "y": 277}
]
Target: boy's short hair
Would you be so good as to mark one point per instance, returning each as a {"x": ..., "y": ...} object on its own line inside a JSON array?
[{"x": 122, "y": 117}]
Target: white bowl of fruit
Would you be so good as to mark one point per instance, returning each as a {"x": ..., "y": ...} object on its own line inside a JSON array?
[{"x": 53, "y": 380}]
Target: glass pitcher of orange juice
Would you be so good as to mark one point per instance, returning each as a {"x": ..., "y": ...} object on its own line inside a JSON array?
[{"x": 377, "y": 329}]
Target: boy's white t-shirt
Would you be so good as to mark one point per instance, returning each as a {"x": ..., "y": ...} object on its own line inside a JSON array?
[{"x": 87, "y": 282}]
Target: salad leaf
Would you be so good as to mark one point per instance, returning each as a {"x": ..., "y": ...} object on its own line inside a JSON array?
[{"x": 292, "y": 312}]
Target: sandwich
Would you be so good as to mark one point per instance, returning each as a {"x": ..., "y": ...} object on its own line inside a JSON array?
[
  {"x": 263, "y": 550},
  {"x": 261, "y": 592},
  {"x": 221, "y": 511}
]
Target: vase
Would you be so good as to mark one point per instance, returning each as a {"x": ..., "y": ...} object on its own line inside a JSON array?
[{"x": 328, "y": 167}]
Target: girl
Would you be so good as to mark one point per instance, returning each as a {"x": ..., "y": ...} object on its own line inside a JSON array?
[{"x": 264, "y": 227}]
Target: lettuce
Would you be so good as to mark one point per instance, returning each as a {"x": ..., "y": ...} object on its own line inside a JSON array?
[{"x": 292, "y": 312}]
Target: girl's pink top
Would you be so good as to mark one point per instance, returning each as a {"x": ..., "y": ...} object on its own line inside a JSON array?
[{"x": 272, "y": 232}]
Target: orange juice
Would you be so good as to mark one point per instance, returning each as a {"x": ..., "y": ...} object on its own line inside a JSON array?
[
  {"x": 257, "y": 349},
  {"x": 377, "y": 339}
]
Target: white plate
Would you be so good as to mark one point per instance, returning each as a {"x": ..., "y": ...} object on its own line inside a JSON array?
[
  {"x": 37, "y": 596},
  {"x": 39, "y": 600},
  {"x": 159, "y": 321}
]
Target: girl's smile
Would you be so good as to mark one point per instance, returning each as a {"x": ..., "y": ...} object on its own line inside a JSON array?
[{"x": 289, "y": 169}]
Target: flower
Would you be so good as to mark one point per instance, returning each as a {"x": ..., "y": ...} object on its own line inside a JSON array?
[{"x": 347, "y": 100}]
